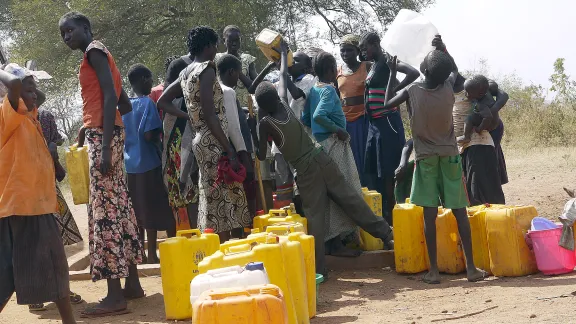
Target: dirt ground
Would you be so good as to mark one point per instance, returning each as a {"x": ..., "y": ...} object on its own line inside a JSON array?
[{"x": 382, "y": 296}]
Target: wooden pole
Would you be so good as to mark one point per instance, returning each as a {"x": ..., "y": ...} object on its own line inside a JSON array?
[{"x": 256, "y": 160}]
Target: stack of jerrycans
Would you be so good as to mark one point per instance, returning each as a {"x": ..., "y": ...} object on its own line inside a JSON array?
[
  {"x": 278, "y": 216},
  {"x": 284, "y": 263},
  {"x": 179, "y": 258},
  {"x": 410, "y": 251},
  {"x": 293, "y": 232},
  {"x": 504, "y": 246},
  {"x": 77, "y": 165},
  {"x": 374, "y": 200}
]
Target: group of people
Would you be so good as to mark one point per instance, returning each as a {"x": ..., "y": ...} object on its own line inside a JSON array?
[{"x": 187, "y": 148}]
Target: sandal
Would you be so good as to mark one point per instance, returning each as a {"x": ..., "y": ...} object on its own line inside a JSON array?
[
  {"x": 94, "y": 312},
  {"x": 36, "y": 307},
  {"x": 75, "y": 299}
]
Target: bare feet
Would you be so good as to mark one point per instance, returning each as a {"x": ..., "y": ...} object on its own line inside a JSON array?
[
  {"x": 463, "y": 140},
  {"x": 476, "y": 275},
  {"x": 432, "y": 278},
  {"x": 153, "y": 259},
  {"x": 133, "y": 293},
  {"x": 106, "y": 307}
]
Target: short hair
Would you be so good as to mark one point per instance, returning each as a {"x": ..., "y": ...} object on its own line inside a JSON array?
[
  {"x": 370, "y": 38},
  {"x": 265, "y": 93},
  {"x": 323, "y": 62},
  {"x": 439, "y": 66},
  {"x": 230, "y": 28},
  {"x": 77, "y": 18},
  {"x": 174, "y": 70},
  {"x": 478, "y": 81},
  {"x": 169, "y": 60},
  {"x": 137, "y": 72},
  {"x": 199, "y": 38},
  {"x": 227, "y": 62}
]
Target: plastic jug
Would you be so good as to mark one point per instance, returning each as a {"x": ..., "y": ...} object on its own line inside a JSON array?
[
  {"x": 307, "y": 244},
  {"x": 254, "y": 305},
  {"x": 284, "y": 263},
  {"x": 278, "y": 216},
  {"x": 449, "y": 249},
  {"x": 412, "y": 26},
  {"x": 506, "y": 227},
  {"x": 77, "y": 165},
  {"x": 179, "y": 258},
  {"x": 367, "y": 241},
  {"x": 551, "y": 258},
  {"x": 267, "y": 41},
  {"x": 409, "y": 242},
  {"x": 480, "y": 251},
  {"x": 230, "y": 277}
]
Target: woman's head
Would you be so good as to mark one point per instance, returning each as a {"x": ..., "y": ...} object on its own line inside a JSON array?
[
  {"x": 202, "y": 41},
  {"x": 76, "y": 30},
  {"x": 229, "y": 69},
  {"x": 325, "y": 67},
  {"x": 370, "y": 46},
  {"x": 349, "y": 50},
  {"x": 232, "y": 38}
]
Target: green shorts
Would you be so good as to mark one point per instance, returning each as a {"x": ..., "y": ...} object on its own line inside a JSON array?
[{"x": 438, "y": 180}]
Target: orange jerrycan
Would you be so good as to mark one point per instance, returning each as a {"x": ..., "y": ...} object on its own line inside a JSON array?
[
  {"x": 409, "y": 243},
  {"x": 252, "y": 305},
  {"x": 449, "y": 248},
  {"x": 278, "y": 216},
  {"x": 506, "y": 226},
  {"x": 179, "y": 258},
  {"x": 307, "y": 243},
  {"x": 77, "y": 165},
  {"x": 477, "y": 218},
  {"x": 284, "y": 263},
  {"x": 367, "y": 241}
]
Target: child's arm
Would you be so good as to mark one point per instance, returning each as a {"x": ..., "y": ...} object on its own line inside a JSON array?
[
  {"x": 486, "y": 114},
  {"x": 59, "y": 170},
  {"x": 165, "y": 102},
  {"x": 283, "y": 83},
  {"x": 440, "y": 46},
  {"x": 501, "y": 97},
  {"x": 398, "y": 98},
  {"x": 14, "y": 86},
  {"x": 406, "y": 152},
  {"x": 411, "y": 75},
  {"x": 124, "y": 104},
  {"x": 99, "y": 61},
  {"x": 260, "y": 144},
  {"x": 260, "y": 77},
  {"x": 325, "y": 109},
  {"x": 81, "y": 136}
]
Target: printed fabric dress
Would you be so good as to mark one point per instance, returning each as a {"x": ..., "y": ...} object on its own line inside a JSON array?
[{"x": 222, "y": 207}]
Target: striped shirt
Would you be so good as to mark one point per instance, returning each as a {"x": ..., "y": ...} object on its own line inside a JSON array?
[{"x": 376, "y": 83}]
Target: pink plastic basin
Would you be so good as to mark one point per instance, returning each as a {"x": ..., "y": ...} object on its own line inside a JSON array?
[{"x": 551, "y": 258}]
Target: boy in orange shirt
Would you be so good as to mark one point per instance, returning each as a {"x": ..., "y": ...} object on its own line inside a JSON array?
[{"x": 32, "y": 258}]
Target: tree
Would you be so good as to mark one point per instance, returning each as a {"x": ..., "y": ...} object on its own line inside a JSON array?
[{"x": 564, "y": 87}]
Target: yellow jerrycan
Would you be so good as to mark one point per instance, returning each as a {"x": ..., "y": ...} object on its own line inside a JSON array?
[
  {"x": 284, "y": 263},
  {"x": 77, "y": 165},
  {"x": 267, "y": 41},
  {"x": 367, "y": 241},
  {"x": 252, "y": 305},
  {"x": 449, "y": 248},
  {"x": 477, "y": 218},
  {"x": 307, "y": 244},
  {"x": 179, "y": 258},
  {"x": 506, "y": 226},
  {"x": 278, "y": 216},
  {"x": 410, "y": 254}
]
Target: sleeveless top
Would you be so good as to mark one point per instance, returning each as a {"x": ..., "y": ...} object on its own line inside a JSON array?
[
  {"x": 376, "y": 82},
  {"x": 241, "y": 91},
  {"x": 352, "y": 86},
  {"x": 92, "y": 98},
  {"x": 300, "y": 148}
]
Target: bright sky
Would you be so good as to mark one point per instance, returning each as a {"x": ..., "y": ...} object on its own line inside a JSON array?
[{"x": 525, "y": 36}]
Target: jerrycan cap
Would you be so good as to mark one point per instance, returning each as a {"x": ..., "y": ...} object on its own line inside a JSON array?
[
  {"x": 253, "y": 266},
  {"x": 209, "y": 231},
  {"x": 260, "y": 213}
]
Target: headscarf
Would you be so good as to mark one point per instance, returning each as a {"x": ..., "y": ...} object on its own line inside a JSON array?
[{"x": 350, "y": 39}]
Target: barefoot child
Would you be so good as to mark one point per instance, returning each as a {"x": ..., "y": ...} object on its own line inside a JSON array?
[
  {"x": 319, "y": 179},
  {"x": 32, "y": 258},
  {"x": 115, "y": 247},
  {"x": 143, "y": 164},
  {"x": 438, "y": 173}
]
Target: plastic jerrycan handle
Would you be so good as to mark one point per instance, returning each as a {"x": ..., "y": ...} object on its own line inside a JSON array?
[
  {"x": 73, "y": 147},
  {"x": 280, "y": 228},
  {"x": 185, "y": 233},
  {"x": 249, "y": 242},
  {"x": 277, "y": 213},
  {"x": 222, "y": 295}
]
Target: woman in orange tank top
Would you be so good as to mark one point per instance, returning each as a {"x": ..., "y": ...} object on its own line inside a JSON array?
[
  {"x": 115, "y": 248},
  {"x": 351, "y": 85}
]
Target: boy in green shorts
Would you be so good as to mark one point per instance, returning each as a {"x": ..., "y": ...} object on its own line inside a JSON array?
[{"x": 438, "y": 172}]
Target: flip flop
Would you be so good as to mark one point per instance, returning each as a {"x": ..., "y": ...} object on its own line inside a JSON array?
[
  {"x": 484, "y": 275},
  {"x": 95, "y": 312},
  {"x": 36, "y": 307},
  {"x": 75, "y": 299}
]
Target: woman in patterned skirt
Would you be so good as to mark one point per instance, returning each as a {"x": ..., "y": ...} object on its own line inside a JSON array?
[{"x": 222, "y": 206}]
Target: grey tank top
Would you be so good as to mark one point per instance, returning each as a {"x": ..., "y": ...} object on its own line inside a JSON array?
[{"x": 295, "y": 144}]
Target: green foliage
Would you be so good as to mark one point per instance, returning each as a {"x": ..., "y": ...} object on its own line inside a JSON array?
[{"x": 564, "y": 87}]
